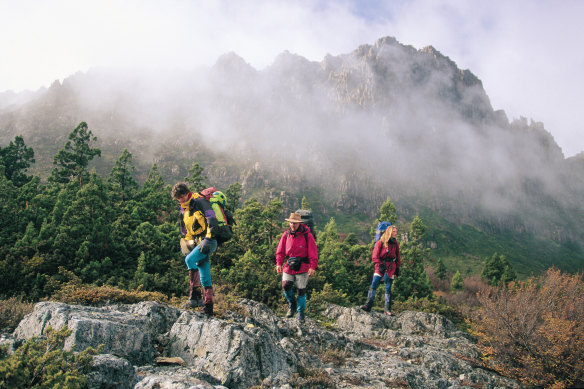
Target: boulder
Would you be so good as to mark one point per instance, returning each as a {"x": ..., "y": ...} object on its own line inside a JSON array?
[
  {"x": 128, "y": 333},
  {"x": 153, "y": 345}
]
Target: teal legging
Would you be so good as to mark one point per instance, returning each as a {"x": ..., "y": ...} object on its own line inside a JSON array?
[{"x": 198, "y": 260}]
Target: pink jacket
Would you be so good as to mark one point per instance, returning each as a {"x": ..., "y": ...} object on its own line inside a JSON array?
[
  {"x": 380, "y": 254},
  {"x": 295, "y": 245}
]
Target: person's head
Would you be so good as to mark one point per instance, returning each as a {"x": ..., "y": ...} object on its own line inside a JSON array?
[
  {"x": 180, "y": 191},
  {"x": 390, "y": 232},
  {"x": 295, "y": 220}
]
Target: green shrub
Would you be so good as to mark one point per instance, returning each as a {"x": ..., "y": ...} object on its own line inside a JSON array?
[
  {"x": 327, "y": 295},
  {"x": 42, "y": 363}
]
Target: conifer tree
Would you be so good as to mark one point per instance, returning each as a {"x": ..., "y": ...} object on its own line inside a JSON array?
[
  {"x": 337, "y": 267},
  {"x": 457, "y": 282},
  {"x": 121, "y": 177},
  {"x": 255, "y": 239},
  {"x": 233, "y": 194},
  {"x": 413, "y": 280},
  {"x": 388, "y": 213},
  {"x": 440, "y": 269},
  {"x": 72, "y": 160},
  {"x": 16, "y": 159},
  {"x": 154, "y": 199},
  {"x": 84, "y": 234},
  {"x": 304, "y": 204},
  {"x": 196, "y": 179},
  {"x": 497, "y": 270}
]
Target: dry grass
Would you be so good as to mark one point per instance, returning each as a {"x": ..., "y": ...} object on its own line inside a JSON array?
[
  {"x": 335, "y": 356},
  {"x": 12, "y": 311}
]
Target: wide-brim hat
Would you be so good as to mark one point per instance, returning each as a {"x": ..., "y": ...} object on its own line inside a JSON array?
[{"x": 294, "y": 218}]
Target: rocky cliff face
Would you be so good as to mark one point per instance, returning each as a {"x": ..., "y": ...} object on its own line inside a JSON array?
[
  {"x": 383, "y": 120},
  {"x": 152, "y": 345}
]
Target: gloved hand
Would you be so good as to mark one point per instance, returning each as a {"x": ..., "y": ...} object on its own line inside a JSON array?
[
  {"x": 382, "y": 268},
  {"x": 205, "y": 246},
  {"x": 396, "y": 273}
]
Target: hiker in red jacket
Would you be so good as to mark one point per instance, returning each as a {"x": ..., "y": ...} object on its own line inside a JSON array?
[
  {"x": 387, "y": 262},
  {"x": 296, "y": 258}
]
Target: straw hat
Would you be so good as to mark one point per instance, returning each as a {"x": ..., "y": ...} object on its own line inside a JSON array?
[{"x": 294, "y": 218}]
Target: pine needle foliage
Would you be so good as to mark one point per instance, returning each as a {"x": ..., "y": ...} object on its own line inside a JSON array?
[{"x": 42, "y": 363}]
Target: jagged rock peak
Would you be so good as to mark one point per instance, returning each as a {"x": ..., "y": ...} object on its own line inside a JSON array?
[
  {"x": 232, "y": 62},
  {"x": 287, "y": 62}
]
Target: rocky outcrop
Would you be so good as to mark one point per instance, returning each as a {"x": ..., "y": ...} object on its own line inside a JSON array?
[{"x": 153, "y": 345}]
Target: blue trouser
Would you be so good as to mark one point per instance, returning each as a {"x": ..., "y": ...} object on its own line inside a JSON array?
[
  {"x": 375, "y": 284},
  {"x": 197, "y": 260}
]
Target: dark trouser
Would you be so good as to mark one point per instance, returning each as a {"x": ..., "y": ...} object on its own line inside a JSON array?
[{"x": 373, "y": 289}]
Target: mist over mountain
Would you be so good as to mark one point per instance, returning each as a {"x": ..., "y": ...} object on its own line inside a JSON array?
[{"x": 383, "y": 120}]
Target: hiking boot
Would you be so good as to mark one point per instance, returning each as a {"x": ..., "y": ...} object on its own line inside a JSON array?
[
  {"x": 208, "y": 300},
  {"x": 367, "y": 306},
  {"x": 291, "y": 309},
  {"x": 300, "y": 316},
  {"x": 208, "y": 309}
]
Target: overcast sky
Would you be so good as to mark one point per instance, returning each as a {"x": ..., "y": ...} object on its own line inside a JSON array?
[{"x": 528, "y": 53}]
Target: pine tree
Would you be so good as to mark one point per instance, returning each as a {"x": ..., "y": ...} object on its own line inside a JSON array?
[
  {"x": 413, "y": 280},
  {"x": 121, "y": 177},
  {"x": 457, "y": 282},
  {"x": 84, "y": 234},
  {"x": 155, "y": 203},
  {"x": 388, "y": 213},
  {"x": 337, "y": 267},
  {"x": 16, "y": 159},
  {"x": 72, "y": 160},
  {"x": 497, "y": 270},
  {"x": 196, "y": 179},
  {"x": 233, "y": 194},
  {"x": 304, "y": 204},
  {"x": 440, "y": 269}
]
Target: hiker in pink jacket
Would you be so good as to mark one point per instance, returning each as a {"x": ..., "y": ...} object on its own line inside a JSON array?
[{"x": 296, "y": 258}]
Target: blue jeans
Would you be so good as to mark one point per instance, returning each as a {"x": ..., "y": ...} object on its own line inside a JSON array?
[
  {"x": 375, "y": 284},
  {"x": 197, "y": 260}
]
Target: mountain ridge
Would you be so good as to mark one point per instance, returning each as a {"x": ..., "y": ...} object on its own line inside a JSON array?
[{"x": 383, "y": 120}]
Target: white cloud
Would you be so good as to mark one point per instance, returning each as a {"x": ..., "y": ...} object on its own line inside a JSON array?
[{"x": 527, "y": 53}]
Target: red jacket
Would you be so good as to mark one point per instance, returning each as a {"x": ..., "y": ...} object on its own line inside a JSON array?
[
  {"x": 381, "y": 253},
  {"x": 294, "y": 244}
]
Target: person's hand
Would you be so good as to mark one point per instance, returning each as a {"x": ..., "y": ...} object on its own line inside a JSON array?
[
  {"x": 186, "y": 246},
  {"x": 396, "y": 273},
  {"x": 278, "y": 269},
  {"x": 311, "y": 271},
  {"x": 205, "y": 246}
]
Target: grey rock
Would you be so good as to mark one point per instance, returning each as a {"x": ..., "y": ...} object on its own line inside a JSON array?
[
  {"x": 255, "y": 347},
  {"x": 238, "y": 354},
  {"x": 127, "y": 333},
  {"x": 109, "y": 371}
]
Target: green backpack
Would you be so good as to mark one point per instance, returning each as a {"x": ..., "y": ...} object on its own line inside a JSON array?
[{"x": 224, "y": 218}]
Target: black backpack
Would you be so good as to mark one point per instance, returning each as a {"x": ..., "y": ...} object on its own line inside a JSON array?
[{"x": 307, "y": 219}]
